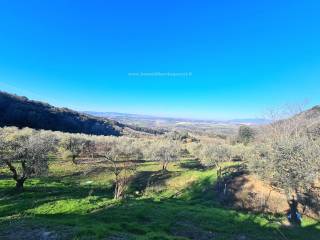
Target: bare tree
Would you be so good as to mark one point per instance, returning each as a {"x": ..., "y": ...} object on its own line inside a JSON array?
[{"x": 286, "y": 122}]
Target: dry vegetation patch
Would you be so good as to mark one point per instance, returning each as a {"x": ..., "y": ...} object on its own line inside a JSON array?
[{"x": 249, "y": 192}]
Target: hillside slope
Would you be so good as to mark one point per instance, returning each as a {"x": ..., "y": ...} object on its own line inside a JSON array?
[
  {"x": 22, "y": 112},
  {"x": 310, "y": 121},
  {"x": 307, "y": 122}
]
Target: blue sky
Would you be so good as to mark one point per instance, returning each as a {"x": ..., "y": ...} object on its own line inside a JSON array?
[{"x": 243, "y": 57}]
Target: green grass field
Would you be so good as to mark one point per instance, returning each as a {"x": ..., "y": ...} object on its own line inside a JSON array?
[{"x": 178, "y": 204}]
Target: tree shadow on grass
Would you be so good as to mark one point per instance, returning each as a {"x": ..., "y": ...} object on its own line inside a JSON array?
[
  {"x": 192, "y": 214},
  {"x": 174, "y": 219},
  {"x": 5, "y": 177},
  {"x": 238, "y": 189},
  {"x": 202, "y": 191},
  {"x": 144, "y": 179},
  {"x": 192, "y": 164},
  {"x": 190, "y": 217},
  {"x": 33, "y": 196}
]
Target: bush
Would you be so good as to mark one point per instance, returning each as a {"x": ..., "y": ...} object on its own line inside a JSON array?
[
  {"x": 246, "y": 134},
  {"x": 289, "y": 163},
  {"x": 212, "y": 155}
]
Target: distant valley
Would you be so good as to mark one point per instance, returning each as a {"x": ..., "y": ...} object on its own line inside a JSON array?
[{"x": 185, "y": 124}]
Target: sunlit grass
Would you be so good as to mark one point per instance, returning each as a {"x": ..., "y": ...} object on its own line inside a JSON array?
[{"x": 79, "y": 204}]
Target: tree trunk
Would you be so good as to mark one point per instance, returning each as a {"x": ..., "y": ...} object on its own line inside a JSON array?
[
  {"x": 19, "y": 184},
  {"x": 293, "y": 212},
  {"x": 164, "y": 166},
  {"x": 115, "y": 196},
  {"x": 19, "y": 180},
  {"x": 118, "y": 191},
  {"x": 74, "y": 160}
]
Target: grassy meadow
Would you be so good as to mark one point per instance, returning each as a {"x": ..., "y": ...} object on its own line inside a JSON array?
[{"x": 76, "y": 202}]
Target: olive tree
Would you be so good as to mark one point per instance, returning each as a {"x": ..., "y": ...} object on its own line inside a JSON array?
[
  {"x": 73, "y": 145},
  {"x": 287, "y": 151},
  {"x": 212, "y": 155},
  {"x": 89, "y": 148},
  {"x": 246, "y": 134},
  {"x": 239, "y": 152},
  {"x": 165, "y": 151},
  {"x": 26, "y": 152},
  {"x": 122, "y": 155},
  {"x": 292, "y": 164},
  {"x": 287, "y": 155}
]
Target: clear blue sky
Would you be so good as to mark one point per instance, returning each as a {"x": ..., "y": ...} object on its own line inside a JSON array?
[{"x": 244, "y": 56}]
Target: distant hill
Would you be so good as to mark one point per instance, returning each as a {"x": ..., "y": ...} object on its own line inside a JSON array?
[{"x": 22, "y": 112}]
